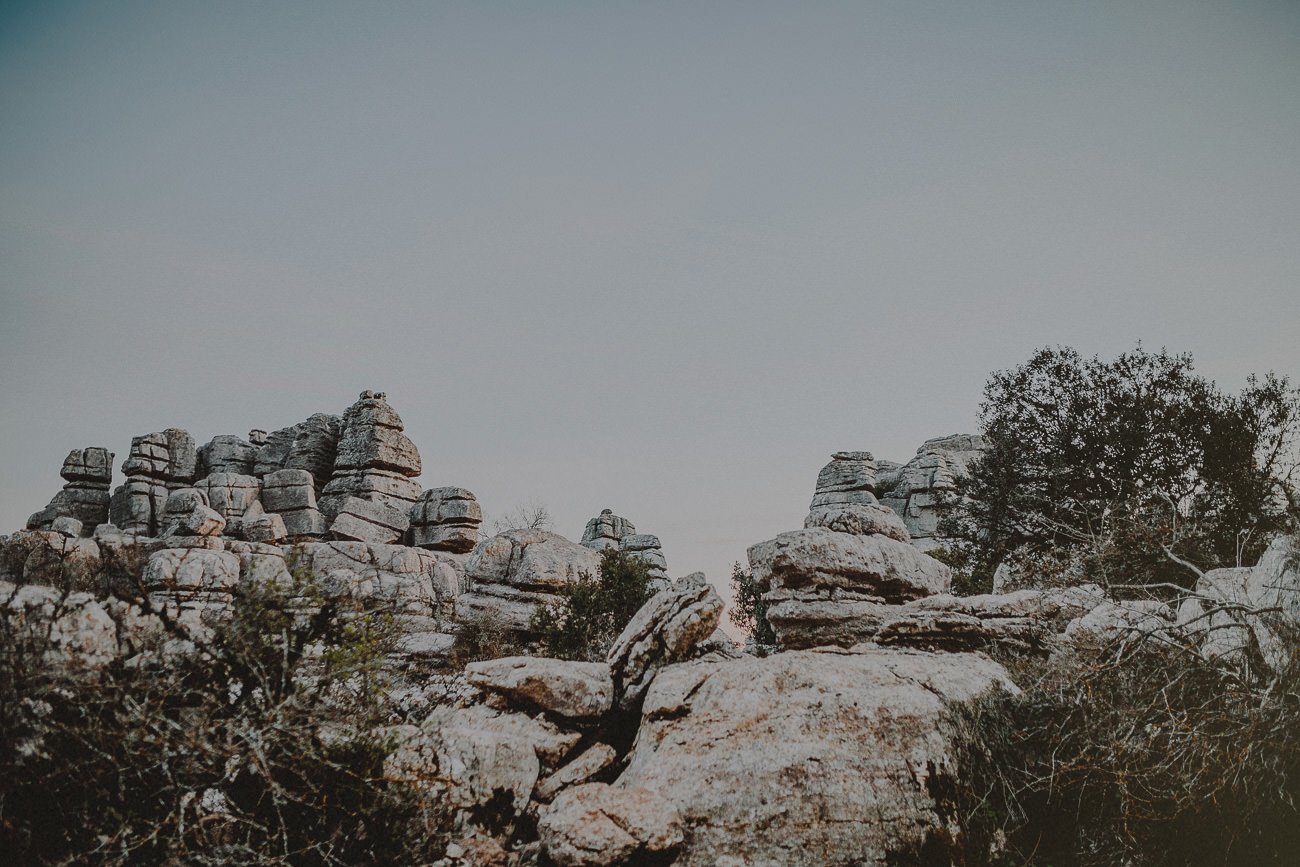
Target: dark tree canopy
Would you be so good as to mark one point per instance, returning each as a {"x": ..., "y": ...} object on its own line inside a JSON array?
[{"x": 1133, "y": 464}]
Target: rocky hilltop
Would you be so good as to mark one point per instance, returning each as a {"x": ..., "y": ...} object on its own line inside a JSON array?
[{"x": 677, "y": 747}]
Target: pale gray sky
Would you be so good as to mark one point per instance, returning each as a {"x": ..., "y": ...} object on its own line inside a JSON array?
[{"x": 657, "y": 257}]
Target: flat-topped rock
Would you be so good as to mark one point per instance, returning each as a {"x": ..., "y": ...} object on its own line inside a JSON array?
[
  {"x": 446, "y": 519},
  {"x": 573, "y": 690}
]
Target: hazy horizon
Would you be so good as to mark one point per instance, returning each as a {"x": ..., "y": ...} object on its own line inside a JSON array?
[{"x": 658, "y": 258}]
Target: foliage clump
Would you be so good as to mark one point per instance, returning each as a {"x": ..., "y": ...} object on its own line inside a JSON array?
[
  {"x": 259, "y": 740},
  {"x": 1135, "y": 752},
  {"x": 1136, "y": 467},
  {"x": 749, "y": 610},
  {"x": 592, "y": 611}
]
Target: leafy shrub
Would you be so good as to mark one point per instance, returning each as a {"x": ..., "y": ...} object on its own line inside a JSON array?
[
  {"x": 1136, "y": 464},
  {"x": 748, "y": 610},
  {"x": 263, "y": 744},
  {"x": 592, "y": 611}
]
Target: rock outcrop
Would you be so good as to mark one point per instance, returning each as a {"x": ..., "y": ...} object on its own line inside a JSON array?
[
  {"x": 374, "y": 460},
  {"x": 608, "y": 530},
  {"x": 807, "y": 757},
  {"x": 833, "y": 581},
  {"x": 87, "y": 474},
  {"x": 158, "y": 463},
  {"x": 514, "y": 572},
  {"x": 597, "y": 825},
  {"x": 446, "y": 519},
  {"x": 914, "y": 490}
]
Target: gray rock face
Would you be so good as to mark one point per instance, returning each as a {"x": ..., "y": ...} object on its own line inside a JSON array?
[
  {"x": 361, "y": 520},
  {"x": 806, "y": 757},
  {"x": 859, "y": 519},
  {"x": 514, "y": 572},
  {"x": 309, "y": 445},
  {"x": 230, "y": 494},
  {"x": 291, "y": 495},
  {"x": 606, "y": 530},
  {"x": 596, "y": 825},
  {"x": 466, "y": 756},
  {"x": 85, "y": 497},
  {"x": 588, "y": 763},
  {"x": 227, "y": 453},
  {"x": 850, "y": 477},
  {"x": 1232, "y": 611},
  {"x": 572, "y": 690},
  {"x": 665, "y": 630},
  {"x": 446, "y": 519},
  {"x": 876, "y": 567},
  {"x": 76, "y": 629},
  {"x": 372, "y": 439},
  {"x": 914, "y": 489},
  {"x": 158, "y": 463}
]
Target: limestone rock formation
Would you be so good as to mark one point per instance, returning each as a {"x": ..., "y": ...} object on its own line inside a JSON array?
[
  {"x": 227, "y": 453},
  {"x": 665, "y": 630},
  {"x": 608, "y": 530},
  {"x": 514, "y": 572},
  {"x": 374, "y": 459},
  {"x": 914, "y": 489},
  {"x": 446, "y": 519},
  {"x": 157, "y": 464},
  {"x": 291, "y": 494},
  {"x": 230, "y": 495},
  {"x": 87, "y": 474},
  {"x": 597, "y": 825},
  {"x": 309, "y": 445},
  {"x": 807, "y": 757},
  {"x": 572, "y": 690}
]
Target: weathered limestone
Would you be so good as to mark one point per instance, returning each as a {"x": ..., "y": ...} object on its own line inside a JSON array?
[
  {"x": 1233, "y": 612},
  {"x": 596, "y": 825},
  {"x": 73, "y": 629},
  {"x": 291, "y": 495},
  {"x": 52, "y": 558},
  {"x": 469, "y": 756},
  {"x": 665, "y": 630},
  {"x": 158, "y": 463},
  {"x": 309, "y": 445},
  {"x": 446, "y": 519},
  {"x": 87, "y": 473},
  {"x": 571, "y": 690},
  {"x": 586, "y": 765},
  {"x": 807, "y": 757},
  {"x": 606, "y": 530},
  {"x": 227, "y": 453},
  {"x": 361, "y": 520},
  {"x": 513, "y": 573},
  {"x": 230, "y": 495},
  {"x": 833, "y": 581},
  {"x": 914, "y": 489}
]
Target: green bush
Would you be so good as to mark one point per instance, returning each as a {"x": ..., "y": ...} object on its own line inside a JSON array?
[
  {"x": 592, "y": 611},
  {"x": 748, "y": 610},
  {"x": 1133, "y": 465}
]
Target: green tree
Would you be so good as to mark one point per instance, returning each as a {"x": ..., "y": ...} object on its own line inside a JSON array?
[
  {"x": 1138, "y": 465},
  {"x": 748, "y": 610},
  {"x": 592, "y": 611}
]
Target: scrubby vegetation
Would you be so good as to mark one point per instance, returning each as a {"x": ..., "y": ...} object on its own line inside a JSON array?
[
  {"x": 1133, "y": 752},
  {"x": 593, "y": 610},
  {"x": 259, "y": 741},
  {"x": 748, "y": 610}
]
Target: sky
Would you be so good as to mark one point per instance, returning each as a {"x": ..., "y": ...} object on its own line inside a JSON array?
[{"x": 662, "y": 258}]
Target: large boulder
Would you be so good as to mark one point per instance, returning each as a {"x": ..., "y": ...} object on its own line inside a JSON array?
[
  {"x": 667, "y": 629},
  {"x": 515, "y": 572},
  {"x": 571, "y": 690},
  {"x": 446, "y": 519},
  {"x": 916, "y": 489},
  {"x": 597, "y": 825},
  {"x": 807, "y": 757},
  {"x": 309, "y": 445},
  {"x": 875, "y": 565}
]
